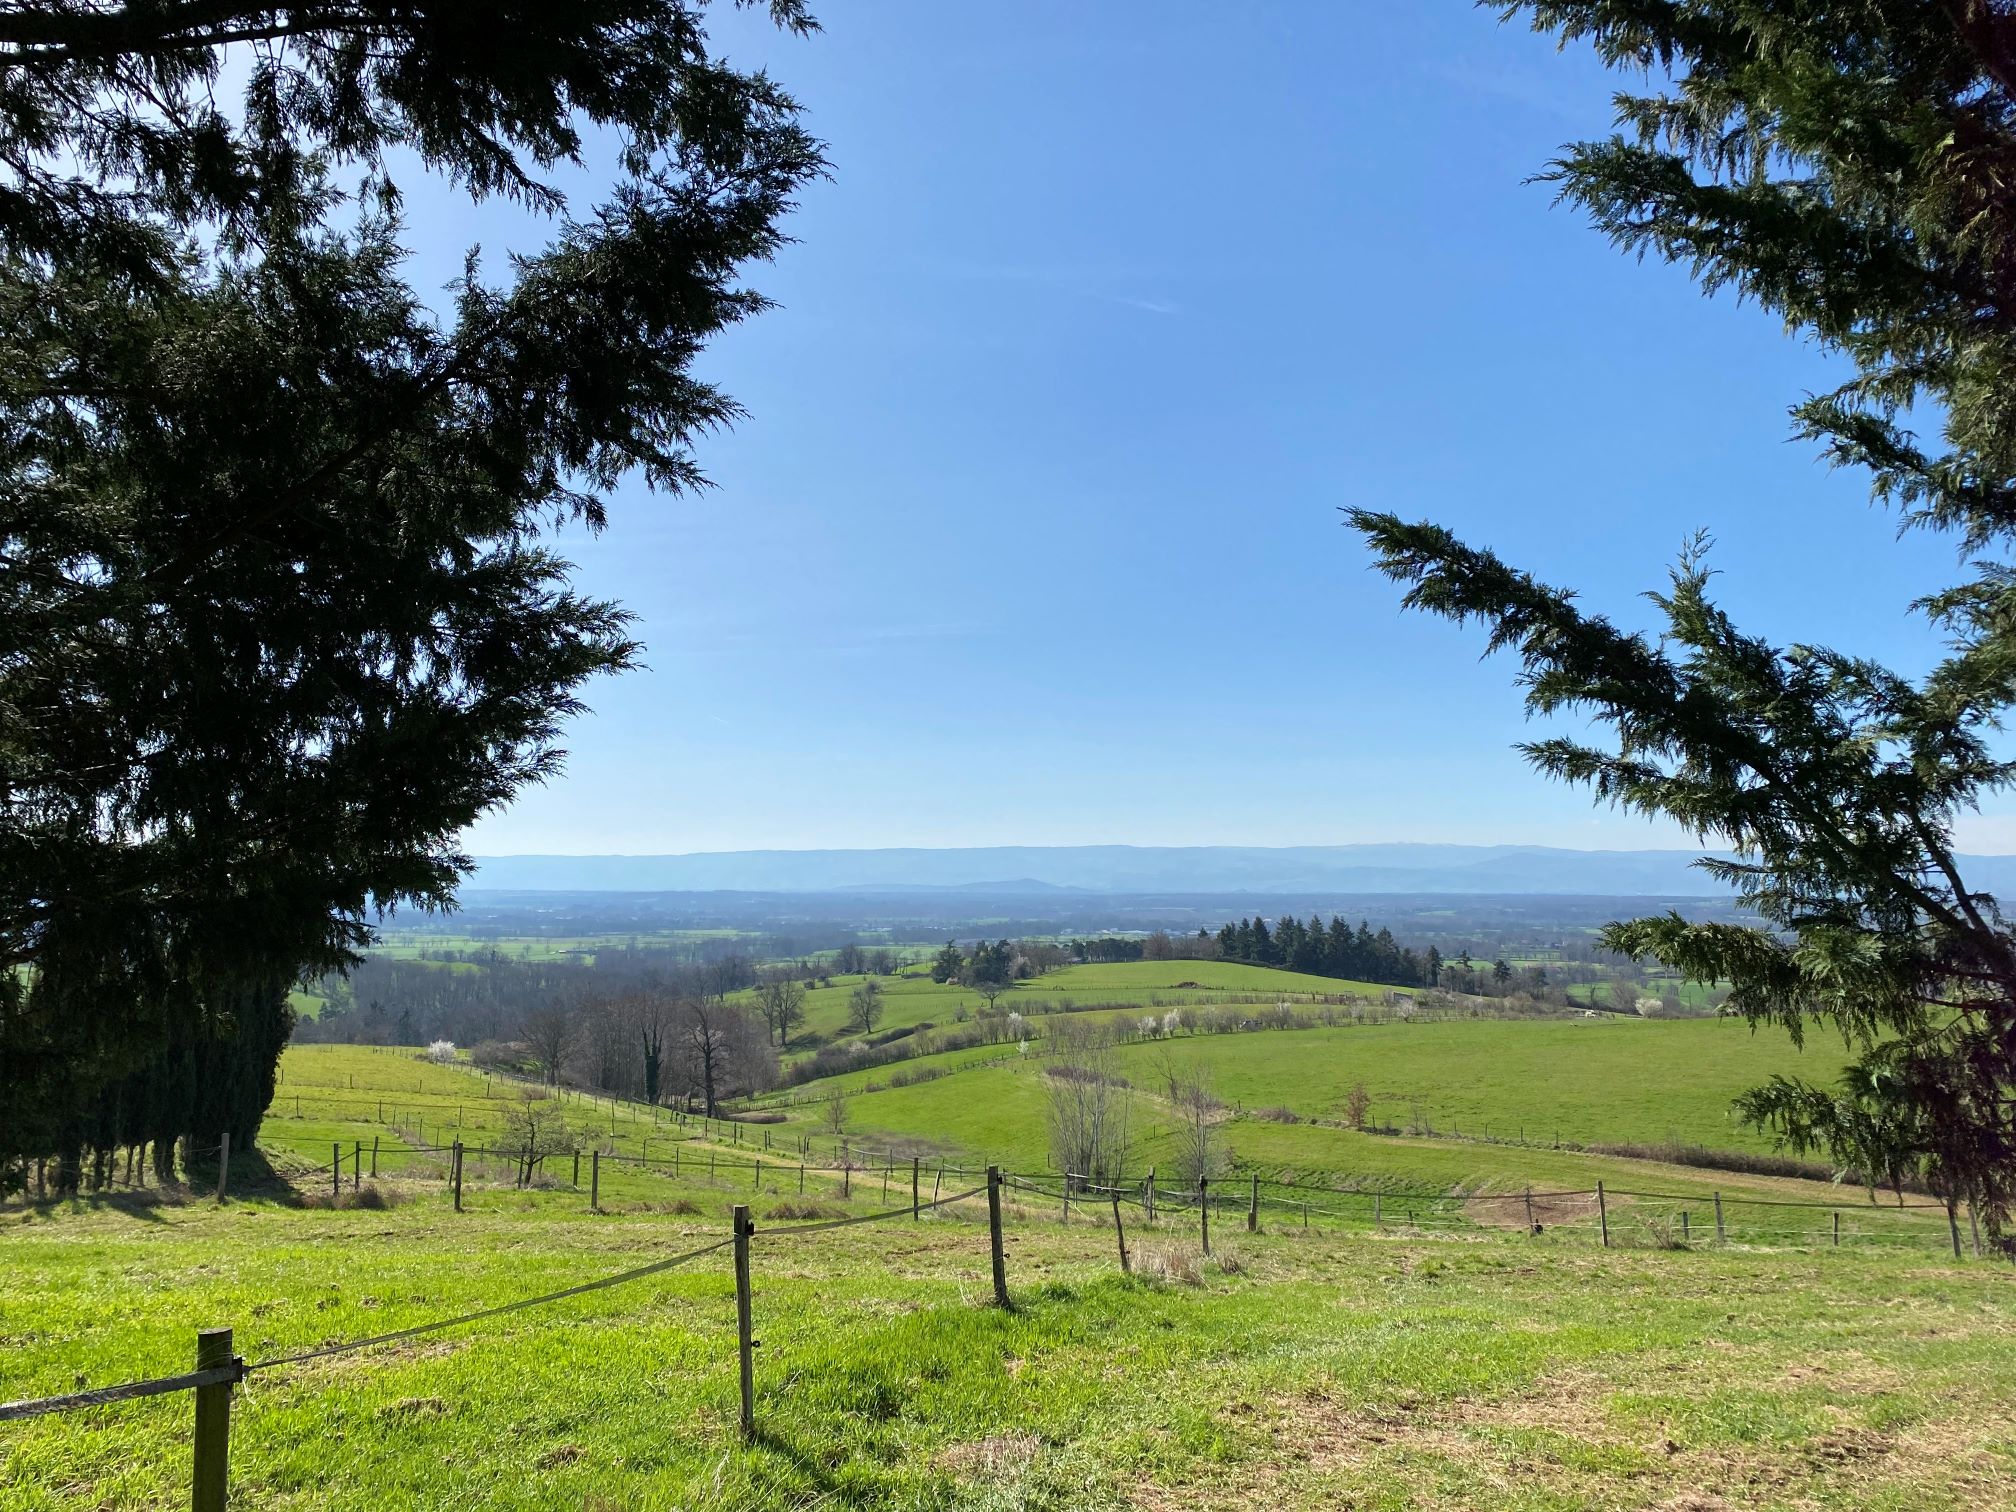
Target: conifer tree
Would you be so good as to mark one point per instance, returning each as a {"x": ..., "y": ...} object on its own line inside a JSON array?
[
  {"x": 1848, "y": 167},
  {"x": 279, "y": 622}
]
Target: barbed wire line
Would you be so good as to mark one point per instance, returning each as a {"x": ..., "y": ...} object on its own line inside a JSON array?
[
  {"x": 900, "y": 1211},
  {"x": 620, "y": 1278}
]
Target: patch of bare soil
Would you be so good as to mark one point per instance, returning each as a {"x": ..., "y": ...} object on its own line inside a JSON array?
[{"x": 1319, "y": 1441}]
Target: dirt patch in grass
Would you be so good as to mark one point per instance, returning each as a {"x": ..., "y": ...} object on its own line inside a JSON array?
[
  {"x": 1507, "y": 1210},
  {"x": 1002, "y": 1456},
  {"x": 1563, "y": 1439}
]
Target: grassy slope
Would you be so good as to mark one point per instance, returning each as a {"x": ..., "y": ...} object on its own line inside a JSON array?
[
  {"x": 1607, "y": 1080},
  {"x": 1367, "y": 1372},
  {"x": 914, "y": 999}
]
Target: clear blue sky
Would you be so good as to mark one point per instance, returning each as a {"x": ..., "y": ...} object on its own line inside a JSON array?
[{"x": 1031, "y": 535}]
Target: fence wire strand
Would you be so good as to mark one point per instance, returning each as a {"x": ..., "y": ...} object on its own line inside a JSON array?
[{"x": 635, "y": 1274}]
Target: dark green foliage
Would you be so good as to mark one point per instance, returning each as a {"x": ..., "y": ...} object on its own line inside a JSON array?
[
  {"x": 1328, "y": 950},
  {"x": 1848, "y": 166},
  {"x": 278, "y": 623}
]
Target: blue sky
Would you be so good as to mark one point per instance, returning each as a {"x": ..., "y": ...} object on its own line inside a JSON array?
[{"x": 1031, "y": 535}]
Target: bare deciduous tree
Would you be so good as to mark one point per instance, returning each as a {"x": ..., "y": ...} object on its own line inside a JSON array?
[
  {"x": 1196, "y": 1114},
  {"x": 549, "y": 1031},
  {"x": 864, "y": 1006},
  {"x": 1091, "y": 1106},
  {"x": 1357, "y": 1106}
]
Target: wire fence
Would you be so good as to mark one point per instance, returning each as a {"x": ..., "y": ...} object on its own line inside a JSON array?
[
  {"x": 219, "y": 1369},
  {"x": 1611, "y": 1216}
]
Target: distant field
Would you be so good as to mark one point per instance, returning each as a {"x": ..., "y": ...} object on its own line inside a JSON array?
[
  {"x": 1606, "y": 1080},
  {"x": 914, "y": 998}
]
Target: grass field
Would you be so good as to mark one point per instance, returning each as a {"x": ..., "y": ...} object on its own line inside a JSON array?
[
  {"x": 1324, "y": 1366},
  {"x": 1379, "y": 1372},
  {"x": 1136, "y": 986}
]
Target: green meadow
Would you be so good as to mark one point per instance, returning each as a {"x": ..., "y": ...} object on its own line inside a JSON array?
[
  {"x": 1391, "y": 1370},
  {"x": 1430, "y": 1352}
]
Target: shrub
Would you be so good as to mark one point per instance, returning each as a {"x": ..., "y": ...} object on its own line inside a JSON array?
[
  {"x": 1169, "y": 1267},
  {"x": 1278, "y": 1115}
]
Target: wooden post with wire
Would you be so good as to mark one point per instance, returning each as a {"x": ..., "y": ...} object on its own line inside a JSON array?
[
  {"x": 458, "y": 1175},
  {"x": 1719, "y": 1232},
  {"x": 1603, "y": 1214},
  {"x": 1204, "y": 1210},
  {"x": 335, "y": 1168},
  {"x": 1148, "y": 1201},
  {"x": 224, "y": 1166},
  {"x": 210, "y": 1481},
  {"x": 746, "y": 1345},
  {"x": 1120, "y": 1233},
  {"x": 1253, "y": 1209},
  {"x": 595, "y": 1180},
  {"x": 994, "y": 1236},
  {"x": 915, "y": 1205},
  {"x": 374, "y": 1157}
]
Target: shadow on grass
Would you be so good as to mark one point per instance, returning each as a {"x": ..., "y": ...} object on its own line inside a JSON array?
[
  {"x": 831, "y": 1491},
  {"x": 253, "y": 1179}
]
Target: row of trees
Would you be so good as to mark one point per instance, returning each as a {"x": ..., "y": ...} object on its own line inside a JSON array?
[
  {"x": 655, "y": 1043},
  {"x": 1334, "y": 950}
]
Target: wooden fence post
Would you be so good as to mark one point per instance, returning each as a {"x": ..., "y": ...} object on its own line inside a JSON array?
[
  {"x": 801, "y": 1178},
  {"x": 746, "y": 1345},
  {"x": 577, "y": 1171},
  {"x": 915, "y": 1205},
  {"x": 1603, "y": 1214},
  {"x": 994, "y": 1236},
  {"x": 758, "y": 1180},
  {"x": 1149, "y": 1202},
  {"x": 1531, "y": 1226},
  {"x": 1837, "y": 1230},
  {"x": 224, "y": 1166},
  {"x": 1375, "y": 1210},
  {"x": 1719, "y": 1234},
  {"x": 1253, "y": 1209},
  {"x": 1204, "y": 1210},
  {"x": 1120, "y": 1234},
  {"x": 595, "y": 1180},
  {"x": 210, "y": 1484},
  {"x": 458, "y": 1175},
  {"x": 336, "y": 1167},
  {"x": 1686, "y": 1233},
  {"x": 374, "y": 1157}
]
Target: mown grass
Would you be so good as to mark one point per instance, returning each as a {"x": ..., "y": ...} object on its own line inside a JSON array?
[{"x": 1354, "y": 1371}]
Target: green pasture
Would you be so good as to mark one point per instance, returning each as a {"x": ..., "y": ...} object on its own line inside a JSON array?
[
  {"x": 1135, "y": 986},
  {"x": 1396, "y": 1370}
]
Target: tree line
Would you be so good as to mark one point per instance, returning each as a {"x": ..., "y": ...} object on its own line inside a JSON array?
[{"x": 1333, "y": 950}]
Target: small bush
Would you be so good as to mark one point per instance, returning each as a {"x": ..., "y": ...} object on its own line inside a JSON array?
[
  {"x": 370, "y": 1197},
  {"x": 1278, "y": 1115},
  {"x": 804, "y": 1210},
  {"x": 1169, "y": 1267}
]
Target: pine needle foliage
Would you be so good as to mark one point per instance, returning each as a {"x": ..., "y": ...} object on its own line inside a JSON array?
[
  {"x": 1850, "y": 165},
  {"x": 282, "y": 615}
]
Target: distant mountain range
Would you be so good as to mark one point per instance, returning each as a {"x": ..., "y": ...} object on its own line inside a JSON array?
[{"x": 1148, "y": 869}]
